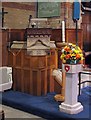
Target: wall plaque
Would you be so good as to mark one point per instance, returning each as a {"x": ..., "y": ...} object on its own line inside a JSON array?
[{"x": 48, "y": 9}]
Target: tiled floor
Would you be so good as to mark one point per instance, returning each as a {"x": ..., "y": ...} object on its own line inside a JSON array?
[{"x": 14, "y": 113}]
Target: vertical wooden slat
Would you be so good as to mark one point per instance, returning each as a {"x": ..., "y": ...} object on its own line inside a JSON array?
[
  {"x": 22, "y": 80},
  {"x": 22, "y": 59},
  {"x": 45, "y": 81},
  {"x": 31, "y": 82},
  {"x": 44, "y": 77},
  {"x": 39, "y": 83},
  {"x": 51, "y": 81}
]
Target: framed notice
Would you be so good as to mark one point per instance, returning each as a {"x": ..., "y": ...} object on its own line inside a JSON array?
[{"x": 48, "y": 9}]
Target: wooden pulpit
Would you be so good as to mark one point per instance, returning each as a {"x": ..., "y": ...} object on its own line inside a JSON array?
[{"x": 32, "y": 72}]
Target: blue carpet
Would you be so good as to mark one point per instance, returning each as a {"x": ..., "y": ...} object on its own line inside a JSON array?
[{"x": 46, "y": 106}]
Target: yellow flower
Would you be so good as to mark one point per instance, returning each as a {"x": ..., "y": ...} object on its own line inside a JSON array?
[
  {"x": 76, "y": 51},
  {"x": 62, "y": 56},
  {"x": 73, "y": 54}
]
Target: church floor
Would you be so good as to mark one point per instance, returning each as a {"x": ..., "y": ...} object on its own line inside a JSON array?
[{"x": 14, "y": 113}]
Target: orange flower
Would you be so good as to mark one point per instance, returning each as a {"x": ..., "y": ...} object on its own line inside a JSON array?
[
  {"x": 68, "y": 56},
  {"x": 67, "y": 49},
  {"x": 77, "y": 56}
]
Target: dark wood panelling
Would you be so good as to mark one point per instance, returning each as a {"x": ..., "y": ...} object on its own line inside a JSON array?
[
  {"x": 19, "y": 5},
  {"x": 39, "y": 62},
  {"x": 20, "y": 34},
  {"x": 86, "y": 27},
  {"x": 3, "y": 47},
  {"x": 26, "y": 82},
  {"x": 70, "y": 35},
  {"x": 17, "y": 35},
  {"x": 56, "y": 35}
]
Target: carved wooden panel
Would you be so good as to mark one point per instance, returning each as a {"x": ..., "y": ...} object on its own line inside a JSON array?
[
  {"x": 38, "y": 62},
  {"x": 32, "y": 74},
  {"x": 38, "y": 31}
]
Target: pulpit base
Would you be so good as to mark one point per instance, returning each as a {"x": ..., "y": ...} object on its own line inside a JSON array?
[{"x": 71, "y": 109}]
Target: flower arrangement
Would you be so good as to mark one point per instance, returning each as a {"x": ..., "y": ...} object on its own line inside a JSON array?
[{"x": 72, "y": 54}]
